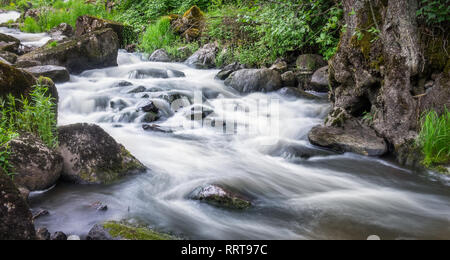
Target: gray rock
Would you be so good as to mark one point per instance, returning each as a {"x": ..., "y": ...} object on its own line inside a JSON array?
[
  {"x": 218, "y": 196},
  {"x": 9, "y": 43},
  {"x": 204, "y": 58},
  {"x": 289, "y": 80},
  {"x": 92, "y": 156},
  {"x": 139, "y": 89},
  {"x": 57, "y": 73},
  {"x": 297, "y": 93},
  {"x": 159, "y": 55},
  {"x": 36, "y": 166},
  {"x": 320, "y": 81},
  {"x": 61, "y": 32},
  {"x": 310, "y": 62},
  {"x": 227, "y": 70},
  {"x": 254, "y": 80},
  {"x": 43, "y": 234},
  {"x": 156, "y": 73},
  {"x": 59, "y": 236},
  {"x": 280, "y": 66},
  {"x": 9, "y": 56}
]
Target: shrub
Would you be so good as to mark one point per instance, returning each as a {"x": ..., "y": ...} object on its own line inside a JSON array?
[
  {"x": 434, "y": 11},
  {"x": 434, "y": 137}
]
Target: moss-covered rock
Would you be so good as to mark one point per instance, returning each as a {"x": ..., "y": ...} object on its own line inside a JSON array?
[
  {"x": 9, "y": 43},
  {"x": 92, "y": 156},
  {"x": 220, "y": 197},
  {"x": 98, "y": 49},
  {"x": 15, "y": 216},
  {"x": 113, "y": 230},
  {"x": 190, "y": 25}
]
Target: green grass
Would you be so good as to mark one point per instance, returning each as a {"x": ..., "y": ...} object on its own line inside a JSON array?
[
  {"x": 35, "y": 116},
  {"x": 129, "y": 232},
  {"x": 434, "y": 138}
]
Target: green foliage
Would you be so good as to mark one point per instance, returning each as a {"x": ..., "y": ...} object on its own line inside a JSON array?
[
  {"x": 434, "y": 11},
  {"x": 30, "y": 25},
  {"x": 434, "y": 137},
  {"x": 53, "y": 44},
  {"x": 36, "y": 116}
]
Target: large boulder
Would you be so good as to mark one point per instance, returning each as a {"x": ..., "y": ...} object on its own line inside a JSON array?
[
  {"x": 9, "y": 43},
  {"x": 159, "y": 55},
  {"x": 98, "y": 49},
  {"x": 36, "y": 167},
  {"x": 87, "y": 24},
  {"x": 15, "y": 215},
  {"x": 352, "y": 137},
  {"x": 319, "y": 81},
  {"x": 92, "y": 156},
  {"x": 61, "y": 32},
  {"x": 57, "y": 74},
  {"x": 204, "y": 58},
  {"x": 20, "y": 83},
  {"x": 255, "y": 80}
]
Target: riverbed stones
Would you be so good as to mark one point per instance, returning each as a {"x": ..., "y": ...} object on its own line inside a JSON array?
[
  {"x": 92, "y": 156},
  {"x": 220, "y": 197},
  {"x": 159, "y": 55},
  {"x": 57, "y": 73},
  {"x": 204, "y": 58},
  {"x": 94, "y": 50},
  {"x": 254, "y": 80},
  {"x": 15, "y": 216},
  {"x": 36, "y": 166},
  {"x": 352, "y": 137}
]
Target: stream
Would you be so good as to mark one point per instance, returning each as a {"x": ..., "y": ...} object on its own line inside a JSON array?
[{"x": 325, "y": 196}]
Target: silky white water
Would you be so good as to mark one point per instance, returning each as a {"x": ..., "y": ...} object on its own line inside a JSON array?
[{"x": 294, "y": 196}]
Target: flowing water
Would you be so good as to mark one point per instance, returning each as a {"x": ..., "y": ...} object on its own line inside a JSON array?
[{"x": 326, "y": 196}]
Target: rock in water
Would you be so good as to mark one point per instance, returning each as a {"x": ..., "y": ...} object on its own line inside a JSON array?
[
  {"x": 204, "y": 58},
  {"x": 15, "y": 216},
  {"x": 254, "y": 80},
  {"x": 159, "y": 55},
  {"x": 43, "y": 234},
  {"x": 9, "y": 43},
  {"x": 92, "y": 156},
  {"x": 94, "y": 50},
  {"x": 36, "y": 167},
  {"x": 59, "y": 236},
  {"x": 353, "y": 137},
  {"x": 87, "y": 24},
  {"x": 57, "y": 73},
  {"x": 218, "y": 196}
]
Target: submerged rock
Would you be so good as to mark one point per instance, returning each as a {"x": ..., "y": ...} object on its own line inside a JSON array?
[
  {"x": 159, "y": 55},
  {"x": 254, "y": 80},
  {"x": 218, "y": 196},
  {"x": 98, "y": 49},
  {"x": 15, "y": 216},
  {"x": 113, "y": 230},
  {"x": 204, "y": 58},
  {"x": 156, "y": 128},
  {"x": 92, "y": 156},
  {"x": 353, "y": 137},
  {"x": 57, "y": 73},
  {"x": 36, "y": 166}
]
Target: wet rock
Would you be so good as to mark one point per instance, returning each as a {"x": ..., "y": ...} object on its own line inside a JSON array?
[
  {"x": 227, "y": 70},
  {"x": 26, "y": 63},
  {"x": 218, "y": 196},
  {"x": 254, "y": 80},
  {"x": 42, "y": 234},
  {"x": 150, "y": 117},
  {"x": 131, "y": 48},
  {"x": 61, "y": 32},
  {"x": 98, "y": 49},
  {"x": 9, "y": 56},
  {"x": 9, "y": 43},
  {"x": 280, "y": 66},
  {"x": 41, "y": 213},
  {"x": 289, "y": 80},
  {"x": 15, "y": 216},
  {"x": 310, "y": 62},
  {"x": 92, "y": 156},
  {"x": 156, "y": 73},
  {"x": 156, "y": 128},
  {"x": 159, "y": 55},
  {"x": 36, "y": 166},
  {"x": 122, "y": 83},
  {"x": 112, "y": 230},
  {"x": 353, "y": 137},
  {"x": 320, "y": 81},
  {"x": 297, "y": 93},
  {"x": 99, "y": 206},
  {"x": 150, "y": 107},
  {"x": 73, "y": 237},
  {"x": 59, "y": 236},
  {"x": 87, "y": 24},
  {"x": 139, "y": 89},
  {"x": 204, "y": 58},
  {"x": 57, "y": 73},
  {"x": 118, "y": 104}
]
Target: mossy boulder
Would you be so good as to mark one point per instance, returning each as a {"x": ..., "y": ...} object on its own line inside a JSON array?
[
  {"x": 190, "y": 25},
  {"x": 113, "y": 230},
  {"x": 9, "y": 43},
  {"x": 36, "y": 167},
  {"x": 92, "y": 156},
  {"x": 15, "y": 216},
  {"x": 220, "y": 197},
  {"x": 87, "y": 24},
  {"x": 98, "y": 49}
]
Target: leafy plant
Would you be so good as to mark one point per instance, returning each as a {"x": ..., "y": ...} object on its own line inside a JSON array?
[
  {"x": 434, "y": 11},
  {"x": 434, "y": 137}
]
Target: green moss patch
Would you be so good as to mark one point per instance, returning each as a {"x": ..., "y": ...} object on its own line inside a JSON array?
[{"x": 126, "y": 231}]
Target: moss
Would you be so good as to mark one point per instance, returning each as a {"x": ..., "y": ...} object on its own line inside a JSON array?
[
  {"x": 377, "y": 63},
  {"x": 126, "y": 231},
  {"x": 228, "y": 202},
  {"x": 437, "y": 55},
  {"x": 194, "y": 12}
]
